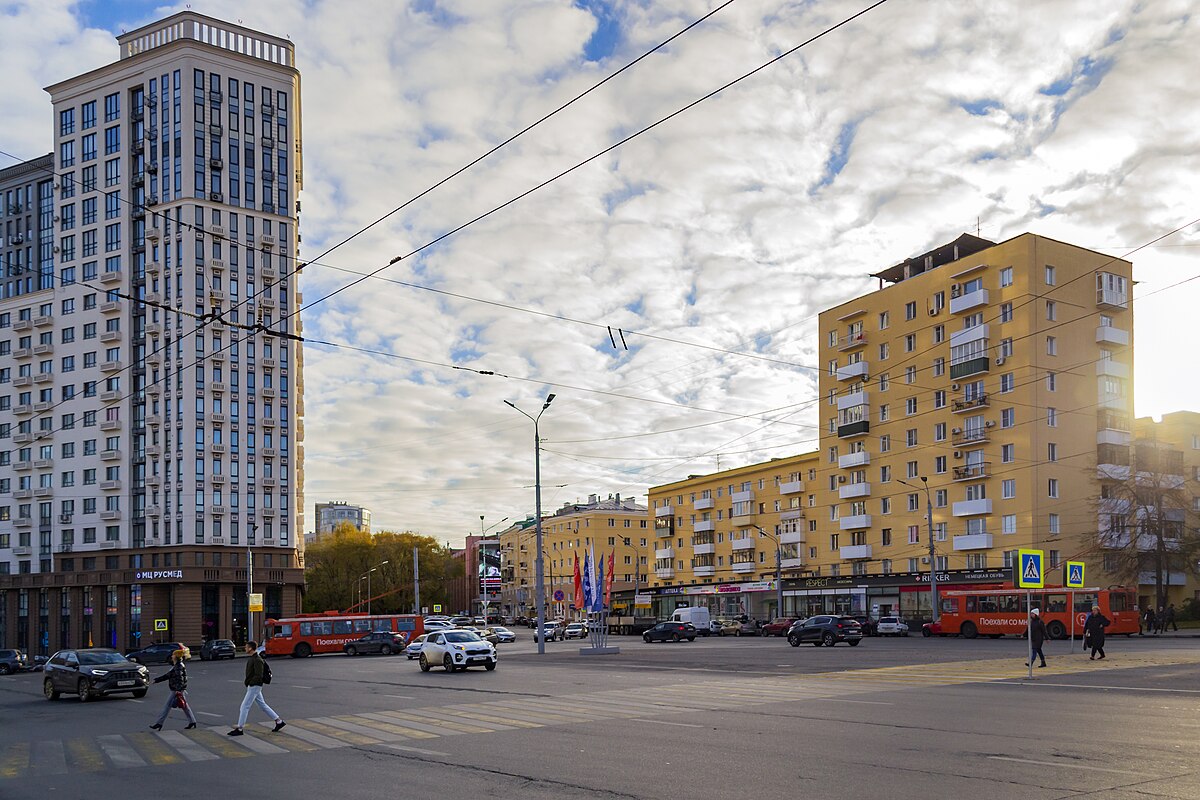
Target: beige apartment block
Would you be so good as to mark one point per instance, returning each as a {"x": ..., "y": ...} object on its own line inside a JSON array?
[
  {"x": 614, "y": 526},
  {"x": 153, "y": 437}
]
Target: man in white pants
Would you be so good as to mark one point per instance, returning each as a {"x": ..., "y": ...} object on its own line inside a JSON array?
[{"x": 255, "y": 670}]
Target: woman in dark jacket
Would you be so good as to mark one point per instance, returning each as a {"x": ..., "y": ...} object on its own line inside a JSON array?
[
  {"x": 1094, "y": 630},
  {"x": 177, "y": 682}
]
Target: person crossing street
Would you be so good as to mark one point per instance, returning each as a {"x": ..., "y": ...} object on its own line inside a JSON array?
[
  {"x": 177, "y": 682},
  {"x": 257, "y": 674},
  {"x": 1037, "y": 636}
]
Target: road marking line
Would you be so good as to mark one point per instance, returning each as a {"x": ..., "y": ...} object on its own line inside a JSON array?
[
  {"x": 417, "y": 750},
  {"x": 433, "y": 716},
  {"x": 134, "y": 700},
  {"x": 83, "y": 756},
  {"x": 186, "y": 747},
  {"x": 208, "y": 714},
  {"x": 844, "y": 700},
  {"x": 664, "y": 722},
  {"x": 318, "y": 739},
  {"x": 47, "y": 758},
  {"x": 15, "y": 761},
  {"x": 400, "y": 696},
  {"x": 120, "y": 752},
  {"x": 393, "y": 726},
  {"x": 1069, "y": 764},
  {"x": 253, "y": 742},
  {"x": 340, "y": 729},
  {"x": 299, "y": 687},
  {"x": 216, "y": 740},
  {"x": 152, "y": 748},
  {"x": 1108, "y": 688}
]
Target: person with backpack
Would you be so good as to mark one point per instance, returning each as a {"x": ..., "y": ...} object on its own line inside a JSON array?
[
  {"x": 258, "y": 673},
  {"x": 176, "y": 680}
]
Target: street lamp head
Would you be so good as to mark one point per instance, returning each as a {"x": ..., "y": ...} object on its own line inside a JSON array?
[
  {"x": 924, "y": 479},
  {"x": 510, "y": 403},
  {"x": 549, "y": 400}
]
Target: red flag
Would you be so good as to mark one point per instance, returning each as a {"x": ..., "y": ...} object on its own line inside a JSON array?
[
  {"x": 608, "y": 579},
  {"x": 578, "y": 586}
]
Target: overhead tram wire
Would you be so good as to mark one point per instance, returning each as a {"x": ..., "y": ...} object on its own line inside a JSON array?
[{"x": 295, "y": 258}]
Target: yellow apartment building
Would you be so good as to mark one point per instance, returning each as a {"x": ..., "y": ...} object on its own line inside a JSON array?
[
  {"x": 617, "y": 526},
  {"x": 989, "y": 380},
  {"x": 716, "y": 537}
]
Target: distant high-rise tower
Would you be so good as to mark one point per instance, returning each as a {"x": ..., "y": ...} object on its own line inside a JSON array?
[{"x": 151, "y": 360}]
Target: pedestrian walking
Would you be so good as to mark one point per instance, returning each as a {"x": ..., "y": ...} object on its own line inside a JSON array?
[
  {"x": 1160, "y": 620},
  {"x": 1037, "y": 636},
  {"x": 1149, "y": 618},
  {"x": 1094, "y": 631},
  {"x": 176, "y": 680},
  {"x": 257, "y": 674},
  {"x": 1170, "y": 620}
]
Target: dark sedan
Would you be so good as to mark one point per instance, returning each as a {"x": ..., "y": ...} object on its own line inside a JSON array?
[
  {"x": 670, "y": 632},
  {"x": 159, "y": 653},
  {"x": 13, "y": 661},
  {"x": 92, "y": 673},
  {"x": 216, "y": 649},
  {"x": 825, "y": 629},
  {"x": 384, "y": 642}
]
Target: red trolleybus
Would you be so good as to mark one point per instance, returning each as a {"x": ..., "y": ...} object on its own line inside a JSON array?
[
  {"x": 304, "y": 634},
  {"x": 996, "y": 612}
]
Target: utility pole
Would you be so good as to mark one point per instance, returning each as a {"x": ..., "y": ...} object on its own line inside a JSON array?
[
  {"x": 416, "y": 581},
  {"x": 537, "y": 495},
  {"x": 933, "y": 602}
]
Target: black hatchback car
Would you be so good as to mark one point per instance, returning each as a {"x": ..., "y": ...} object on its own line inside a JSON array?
[
  {"x": 825, "y": 629},
  {"x": 216, "y": 649},
  {"x": 13, "y": 661},
  {"x": 93, "y": 672},
  {"x": 670, "y": 632},
  {"x": 384, "y": 642},
  {"x": 159, "y": 653}
]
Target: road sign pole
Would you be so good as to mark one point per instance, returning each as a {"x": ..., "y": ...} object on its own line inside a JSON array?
[
  {"x": 1072, "y": 609},
  {"x": 1029, "y": 628}
]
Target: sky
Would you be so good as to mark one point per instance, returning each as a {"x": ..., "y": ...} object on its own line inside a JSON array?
[{"x": 667, "y": 291}]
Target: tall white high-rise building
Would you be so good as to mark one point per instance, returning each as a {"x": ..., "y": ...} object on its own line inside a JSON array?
[{"x": 152, "y": 363}]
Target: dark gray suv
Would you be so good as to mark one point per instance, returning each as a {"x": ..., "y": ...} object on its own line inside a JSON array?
[
  {"x": 12, "y": 661},
  {"x": 93, "y": 672},
  {"x": 825, "y": 629}
]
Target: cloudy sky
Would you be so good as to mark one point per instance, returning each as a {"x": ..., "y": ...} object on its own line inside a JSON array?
[{"x": 711, "y": 241}]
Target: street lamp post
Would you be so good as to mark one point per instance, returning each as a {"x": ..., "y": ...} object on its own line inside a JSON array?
[
  {"x": 933, "y": 602},
  {"x": 537, "y": 495},
  {"x": 368, "y": 577},
  {"x": 778, "y": 571}
]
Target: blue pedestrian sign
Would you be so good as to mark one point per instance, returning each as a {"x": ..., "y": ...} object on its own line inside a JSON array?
[
  {"x": 1074, "y": 575},
  {"x": 1030, "y": 574}
]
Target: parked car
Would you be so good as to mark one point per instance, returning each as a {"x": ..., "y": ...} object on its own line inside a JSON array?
[
  {"x": 479, "y": 621},
  {"x": 438, "y": 624},
  {"x": 932, "y": 629},
  {"x": 384, "y": 642},
  {"x": 892, "y": 626},
  {"x": 825, "y": 629},
  {"x": 670, "y": 631},
  {"x": 159, "y": 653},
  {"x": 216, "y": 649},
  {"x": 414, "y": 647},
  {"x": 576, "y": 630},
  {"x": 503, "y": 635},
  {"x": 456, "y": 650},
  {"x": 749, "y": 627},
  {"x": 92, "y": 673},
  {"x": 487, "y": 634},
  {"x": 13, "y": 661},
  {"x": 551, "y": 630},
  {"x": 869, "y": 626},
  {"x": 778, "y": 626},
  {"x": 724, "y": 627},
  {"x": 462, "y": 619}
]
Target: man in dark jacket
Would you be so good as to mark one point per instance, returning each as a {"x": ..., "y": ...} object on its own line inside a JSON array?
[
  {"x": 1094, "y": 630},
  {"x": 1037, "y": 636},
  {"x": 176, "y": 680},
  {"x": 1170, "y": 620},
  {"x": 256, "y": 670}
]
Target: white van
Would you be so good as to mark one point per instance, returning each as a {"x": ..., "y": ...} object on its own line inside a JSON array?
[{"x": 697, "y": 616}]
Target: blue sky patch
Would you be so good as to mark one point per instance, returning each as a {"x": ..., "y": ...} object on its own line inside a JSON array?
[
  {"x": 839, "y": 154},
  {"x": 981, "y": 107},
  {"x": 604, "y": 39}
]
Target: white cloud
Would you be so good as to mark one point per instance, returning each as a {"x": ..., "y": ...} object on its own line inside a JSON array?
[{"x": 735, "y": 221}]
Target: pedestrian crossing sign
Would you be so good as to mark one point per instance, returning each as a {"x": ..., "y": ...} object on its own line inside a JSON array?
[
  {"x": 1074, "y": 576},
  {"x": 1030, "y": 574}
]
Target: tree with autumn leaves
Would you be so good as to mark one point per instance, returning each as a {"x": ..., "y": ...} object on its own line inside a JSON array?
[{"x": 336, "y": 561}]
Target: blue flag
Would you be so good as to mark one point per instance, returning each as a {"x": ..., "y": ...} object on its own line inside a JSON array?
[
  {"x": 588, "y": 586},
  {"x": 598, "y": 593}
]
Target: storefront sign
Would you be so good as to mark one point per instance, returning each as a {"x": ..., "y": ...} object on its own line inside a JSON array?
[
  {"x": 900, "y": 579},
  {"x": 160, "y": 574}
]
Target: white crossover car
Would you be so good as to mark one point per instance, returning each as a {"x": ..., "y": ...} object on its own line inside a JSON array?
[{"x": 457, "y": 650}]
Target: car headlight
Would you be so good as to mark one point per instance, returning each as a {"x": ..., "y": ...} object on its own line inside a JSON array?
[
  {"x": 143, "y": 671},
  {"x": 99, "y": 672}
]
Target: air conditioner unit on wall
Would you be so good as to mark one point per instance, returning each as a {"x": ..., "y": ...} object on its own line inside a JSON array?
[
  {"x": 991, "y": 423},
  {"x": 958, "y": 453},
  {"x": 954, "y": 387},
  {"x": 956, "y": 430},
  {"x": 1000, "y": 361},
  {"x": 841, "y": 478}
]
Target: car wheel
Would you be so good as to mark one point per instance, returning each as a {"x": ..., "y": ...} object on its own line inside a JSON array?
[
  {"x": 675, "y": 637},
  {"x": 424, "y": 663},
  {"x": 84, "y": 688},
  {"x": 1056, "y": 630},
  {"x": 794, "y": 641},
  {"x": 738, "y": 632},
  {"x": 854, "y": 642},
  {"x": 49, "y": 690},
  {"x": 386, "y": 650},
  {"x": 448, "y": 663},
  {"x": 926, "y": 633},
  {"x": 691, "y": 638},
  {"x": 828, "y": 640},
  {"x": 139, "y": 693},
  {"x": 646, "y": 638},
  {"x": 202, "y": 656},
  {"x": 968, "y": 630},
  {"x": 351, "y": 651},
  {"x": 490, "y": 666},
  {"x": 303, "y": 650}
]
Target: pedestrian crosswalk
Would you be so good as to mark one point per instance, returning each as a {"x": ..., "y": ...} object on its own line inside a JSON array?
[{"x": 416, "y": 725}]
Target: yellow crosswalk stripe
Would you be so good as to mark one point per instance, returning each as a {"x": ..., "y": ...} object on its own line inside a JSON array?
[
  {"x": 333, "y": 732},
  {"x": 295, "y": 745},
  {"x": 218, "y": 743},
  {"x": 475, "y": 715},
  {"x": 84, "y": 755},
  {"x": 388, "y": 727},
  {"x": 153, "y": 749},
  {"x": 434, "y": 717},
  {"x": 14, "y": 760}
]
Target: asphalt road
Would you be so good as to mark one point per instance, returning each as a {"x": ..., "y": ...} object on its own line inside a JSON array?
[{"x": 895, "y": 718}]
